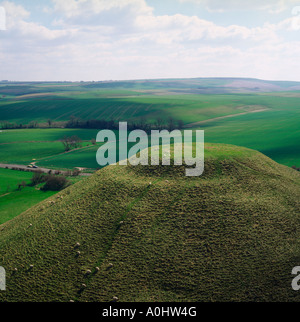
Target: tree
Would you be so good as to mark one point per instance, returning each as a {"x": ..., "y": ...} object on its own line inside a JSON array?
[
  {"x": 180, "y": 124},
  {"x": 159, "y": 123},
  {"x": 73, "y": 122},
  {"x": 21, "y": 185},
  {"x": 171, "y": 124},
  {"x": 71, "y": 142},
  {"x": 33, "y": 124},
  {"x": 55, "y": 183},
  {"x": 37, "y": 178},
  {"x": 49, "y": 122},
  {"x": 75, "y": 172}
]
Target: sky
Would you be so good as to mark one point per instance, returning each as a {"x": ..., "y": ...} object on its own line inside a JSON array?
[{"x": 98, "y": 40}]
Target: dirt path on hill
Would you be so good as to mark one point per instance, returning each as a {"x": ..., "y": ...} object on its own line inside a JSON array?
[{"x": 224, "y": 117}]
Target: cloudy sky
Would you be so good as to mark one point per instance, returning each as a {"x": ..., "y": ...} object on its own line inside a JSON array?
[{"x": 141, "y": 39}]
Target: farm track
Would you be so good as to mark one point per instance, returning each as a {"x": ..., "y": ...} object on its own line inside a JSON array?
[
  {"x": 224, "y": 117},
  {"x": 17, "y": 142},
  {"x": 21, "y": 167}
]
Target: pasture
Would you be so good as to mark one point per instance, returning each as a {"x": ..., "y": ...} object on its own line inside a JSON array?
[
  {"x": 226, "y": 117},
  {"x": 273, "y": 128},
  {"x": 267, "y": 122},
  {"x": 14, "y": 201},
  {"x": 115, "y": 106},
  {"x": 275, "y": 132}
]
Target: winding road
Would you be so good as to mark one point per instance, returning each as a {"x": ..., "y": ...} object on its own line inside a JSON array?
[{"x": 24, "y": 167}]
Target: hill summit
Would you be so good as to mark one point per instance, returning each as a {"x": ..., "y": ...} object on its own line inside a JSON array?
[{"x": 150, "y": 233}]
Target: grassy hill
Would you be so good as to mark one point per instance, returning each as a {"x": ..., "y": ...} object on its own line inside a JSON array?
[{"x": 229, "y": 235}]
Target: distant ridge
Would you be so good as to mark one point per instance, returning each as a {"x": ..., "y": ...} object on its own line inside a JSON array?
[{"x": 213, "y": 85}]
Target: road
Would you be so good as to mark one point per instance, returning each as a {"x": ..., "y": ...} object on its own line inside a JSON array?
[{"x": 24, "y": 167}]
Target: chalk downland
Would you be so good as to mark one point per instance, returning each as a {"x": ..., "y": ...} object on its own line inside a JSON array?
[{"x": 229, "y": 235}]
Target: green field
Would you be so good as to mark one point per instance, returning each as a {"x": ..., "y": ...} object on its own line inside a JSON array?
[
  {"x": 187, "y": 108},
  {"x": 229, "y": 235},
  {"x": 275, "y": 132},
  {"x": 24, "y": 146},
  {"x": 267, "y": 122},
  {"x": 13, "y": 202},
  {"x": 43, "y": 135},
  {"x": 272, "y": 129}
]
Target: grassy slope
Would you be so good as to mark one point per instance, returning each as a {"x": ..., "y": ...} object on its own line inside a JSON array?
[
  {"x": 124, "y": 109},
  {"x": 228, "y": 235},
  {"x": 275, "y": 133},
  {"x": 14, "y": 202}
]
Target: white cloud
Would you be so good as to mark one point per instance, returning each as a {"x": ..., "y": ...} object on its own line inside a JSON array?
[
  {"x": 14, "y": 13},
  {"x": 273, "y": 6},
  {"x": 82, "y": 10},
  {"x": 124, "y": 39}
]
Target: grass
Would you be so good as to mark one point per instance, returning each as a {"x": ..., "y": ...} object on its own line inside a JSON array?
[
  {"x": 16, "y": 202},
  {"x": 22, "y": 146},
  {"x": 9, "y": 180},
  {"x": 229, "y": 235},
  {"x": 43, "y": 135},
  {"x": 115, "y": 105},
  {"x": 275, "y": 134},
  {"x": 12, "y": 201}
]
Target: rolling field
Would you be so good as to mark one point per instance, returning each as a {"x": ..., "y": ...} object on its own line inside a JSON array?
[
  {"x": 274, "y": 133},
  {"x": 43, "y": 147},
  {"x": 187, "y": 108},
  {"x": 83, "y": 158},
  {"x": 13, "y": 202},
  {"x": 9, "y": 180},
  {"x": 272, "y": 128},
  {"x": 267, "y": 122},
  {"x": 24, "y": 146},
  {"x": 176, "y": 239},
  {"x": 184, "y": 100},
  {"x": 43, "y": 135},
  {"x": 17, "y": 202}
]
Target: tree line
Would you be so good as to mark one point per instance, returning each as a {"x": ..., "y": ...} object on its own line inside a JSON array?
[
  {"x": 76, "y": 122},
  {"x": 141, "y": 124}
]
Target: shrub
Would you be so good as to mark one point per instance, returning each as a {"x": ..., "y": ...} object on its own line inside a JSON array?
[
  {"x": 37, "y": 178},
  {"x": 21, "y": 185},
  {"x": 55, "y": 183},
  {"x": 75, "y": 172}
]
